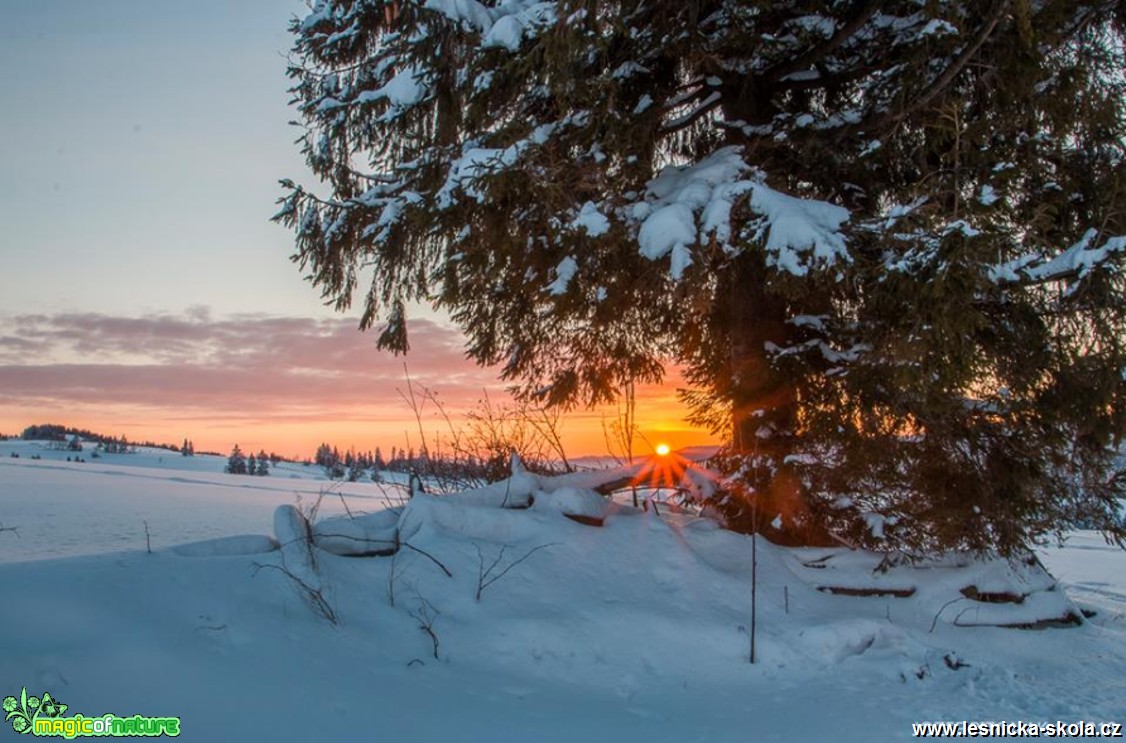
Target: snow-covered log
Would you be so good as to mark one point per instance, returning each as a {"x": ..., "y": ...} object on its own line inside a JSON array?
[
  {"x": 602, "y": 481},
  {"x": 578, "y": 495},
  {"x": 369, "y": 534},
  {"x": 240, "y": 544},
  {"x": 581, "y": 504}
]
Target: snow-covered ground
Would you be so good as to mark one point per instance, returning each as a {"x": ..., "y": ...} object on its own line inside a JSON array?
[
  {"x": 635, "y": 631},
  {"x": 66, "y": 508}
]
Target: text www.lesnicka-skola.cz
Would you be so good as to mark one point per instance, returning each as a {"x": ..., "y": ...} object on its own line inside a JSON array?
[{"x": 1005, "y": 729}]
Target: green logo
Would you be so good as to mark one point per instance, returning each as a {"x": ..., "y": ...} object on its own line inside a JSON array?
[
  {"x": 44, "y": 716},
  {"x": 26, "y": 710}
]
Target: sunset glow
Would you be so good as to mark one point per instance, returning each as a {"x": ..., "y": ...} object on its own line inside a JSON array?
[
  {"x": 165, "y": 307},
  {"x": 283, "y": 384},
  {"x": 668, "y": 470}
]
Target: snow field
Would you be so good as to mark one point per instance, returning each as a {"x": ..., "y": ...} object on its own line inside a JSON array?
[{"x": 637, "y": 630}]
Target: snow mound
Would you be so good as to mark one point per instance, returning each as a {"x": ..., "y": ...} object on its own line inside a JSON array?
[
  {"x": 431, "y": 517},
  {"x": 242, "y": 544},
  {"x": 1020, "y": 577},
  {"x": 368, "y": 534},
  {"x": 956, "y": 589},
  {"x": 514, "y": 492},
  {"x": 572, "y": 502},
  {"x": 835, "y": 641},
  {"x": 1038, "y": 609},
  {"x": 879, "y": 647}
]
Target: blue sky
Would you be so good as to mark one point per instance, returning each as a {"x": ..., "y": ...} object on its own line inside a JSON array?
[{"x": 141, "y": 145}]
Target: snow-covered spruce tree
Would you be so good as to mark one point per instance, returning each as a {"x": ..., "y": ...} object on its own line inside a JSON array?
[
  {"x": 236, "y": 462},
  {"x": 884, "y": 238}
]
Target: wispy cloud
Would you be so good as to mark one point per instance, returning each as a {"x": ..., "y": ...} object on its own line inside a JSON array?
[
  {"x": 245, "y": 366},
  {"x": 284, "y": 381}
]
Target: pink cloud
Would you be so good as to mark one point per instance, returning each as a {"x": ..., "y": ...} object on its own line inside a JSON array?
[
  {"x": 247, "y": 365},
  {"x": 288, "y": 382}
]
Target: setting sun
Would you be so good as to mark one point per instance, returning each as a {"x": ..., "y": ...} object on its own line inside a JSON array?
[{"x": 663, "y": 450}]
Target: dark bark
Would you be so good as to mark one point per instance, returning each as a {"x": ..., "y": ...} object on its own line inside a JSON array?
[
  {"x": 763, "y": 400},
  {"x": 764, "y": 409}
]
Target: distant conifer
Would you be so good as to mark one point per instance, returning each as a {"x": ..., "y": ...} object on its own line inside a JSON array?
[{"x": 236, "y": 462}]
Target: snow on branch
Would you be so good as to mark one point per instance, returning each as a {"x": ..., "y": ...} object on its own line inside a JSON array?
[
  {"x": 503, "y": 26},
  {"x": 1076, "y": 262},
  {"x": 692, "y": 203},
  {"x": 477, "y": 163}
]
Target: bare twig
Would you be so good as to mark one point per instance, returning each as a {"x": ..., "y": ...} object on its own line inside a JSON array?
[
  {"x": 344, "y": 503},
  {"x": 485, "y": 576},
  {"x": 546, "y": 424},
  {"x": 416, "y": 408},
  {"x": 942, "y": 609},
  {"x": 392, "y": 574},
  {"x": 425, "y": 615},
  {"x": 315, "y": 596},
  {"x": 428, "y": 556},
  {"x": 619, "y": 433}
]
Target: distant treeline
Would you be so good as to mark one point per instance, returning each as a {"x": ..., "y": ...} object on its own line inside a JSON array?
[
  {"x": 458, "y": 468},
  {"x": 56, "y": 432},
  {"x": 110, "y": 444},
  {"x": 113, "y": 444}
]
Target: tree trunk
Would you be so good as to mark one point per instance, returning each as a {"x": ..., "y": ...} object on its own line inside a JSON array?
[
  {"x": 764, "y": 404},
  {"x": 764, "y": 410},
  {"x": 764, "y": 401}
]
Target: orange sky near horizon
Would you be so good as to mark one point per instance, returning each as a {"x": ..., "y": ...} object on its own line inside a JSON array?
[
  {"x": 283, "y": 384},
  {"x": 583, "y": 431}
]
